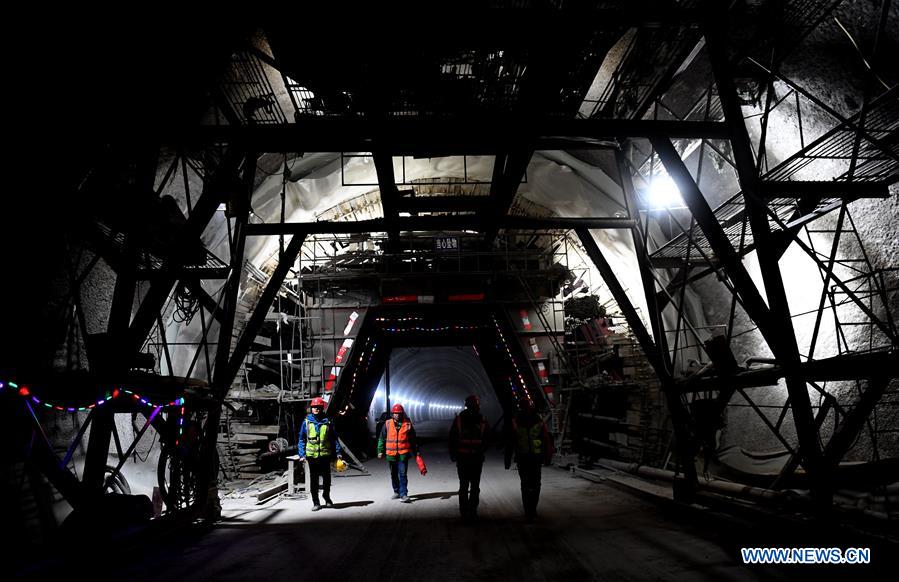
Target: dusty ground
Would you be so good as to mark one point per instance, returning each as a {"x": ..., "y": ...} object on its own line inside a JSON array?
[{"x": 586, "y": 531}]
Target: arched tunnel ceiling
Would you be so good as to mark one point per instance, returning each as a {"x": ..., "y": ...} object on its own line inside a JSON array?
[{"x": 432, "y": 384}]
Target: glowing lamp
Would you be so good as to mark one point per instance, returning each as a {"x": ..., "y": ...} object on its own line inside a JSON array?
[{"x": 664, "y": 193}]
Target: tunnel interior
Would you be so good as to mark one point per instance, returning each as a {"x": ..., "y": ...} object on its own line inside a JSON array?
[
  {"x": 438, "y": 355},
  {"x": 432, "y": 384}
]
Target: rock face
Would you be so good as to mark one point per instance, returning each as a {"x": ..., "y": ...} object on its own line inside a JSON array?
[{"x": 828, "y": 66}]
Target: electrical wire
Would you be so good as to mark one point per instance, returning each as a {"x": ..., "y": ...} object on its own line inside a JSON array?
[{"x": 860, "y": 53}]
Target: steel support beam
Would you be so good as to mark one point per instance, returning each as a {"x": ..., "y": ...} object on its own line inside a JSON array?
[
  {"x": 221, "y": 381},
  {"x": 254, "y": 324},
  {"x": 724, "y": 251},
  {"x": 389, "y": 194},
  {"x": 435, "y": 223},
  {"x": 845, "y": 434},
  {"x": 42, "y": 455},
  {"x": 202, "y": 213},
  {"x": 437, "y": 137},
  {"x": 504, "y": 188},
  {"x": 676, "y": 408},
  {"x": 649, "y": 287},
  {"x": 816, "y": 191},
  {"x": 835, "y": 369},
  {"x": 442, "y": 204},
  {"x": 780, "y": 324}
]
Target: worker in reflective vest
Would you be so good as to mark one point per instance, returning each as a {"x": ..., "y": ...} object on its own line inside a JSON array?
[
  {"x": 318, "y": 446},
  {"x": 397, "y": 441},
  {"x": 468, "y": 441},
  {"x": 529, "y": 440}
]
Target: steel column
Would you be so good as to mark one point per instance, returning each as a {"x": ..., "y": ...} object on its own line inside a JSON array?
[{"x": 679, "y": 413}]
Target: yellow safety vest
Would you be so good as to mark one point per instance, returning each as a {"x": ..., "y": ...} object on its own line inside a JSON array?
[
  {"x": 530, "y": 440},
  {"x": 317, "y": 444}
]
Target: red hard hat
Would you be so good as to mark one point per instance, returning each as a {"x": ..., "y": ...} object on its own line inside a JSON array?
[
  {"x": 319, "y": 401},
  {"x": 398, "y": 408},
  {"x": 472, "y": 401}
]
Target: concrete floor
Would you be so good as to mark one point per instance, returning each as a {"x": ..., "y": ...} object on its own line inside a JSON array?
[{"x": 586, "y": 531}]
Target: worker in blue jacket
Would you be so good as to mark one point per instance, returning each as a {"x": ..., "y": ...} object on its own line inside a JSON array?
[{"x": 319, "y": 445}]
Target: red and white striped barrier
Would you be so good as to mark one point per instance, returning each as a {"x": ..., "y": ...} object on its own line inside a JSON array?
[
  {"x": 347, "y": 343},
  {"x": 350, "y": 322},
  {"x": 332, "y": 377},
  {"x": 542, "y": 372},
  {"x": 525, "y": 322},
  {"x": 535, "y": 348}
]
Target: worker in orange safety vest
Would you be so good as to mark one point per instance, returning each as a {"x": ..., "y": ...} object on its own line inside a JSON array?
[{"x": 397, "y": 441}]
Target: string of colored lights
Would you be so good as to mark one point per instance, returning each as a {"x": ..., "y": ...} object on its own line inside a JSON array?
[
  {"x": 26, "y": 393},
  {"x": 433, "y": 329}
]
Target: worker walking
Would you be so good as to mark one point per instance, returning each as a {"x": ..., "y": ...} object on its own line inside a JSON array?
[
  {"x": 528, "y": 438},
  {"x": 318, "y": 445},
  {"x": 397, "y": 441},
  {"x": 468, "y": 441}
]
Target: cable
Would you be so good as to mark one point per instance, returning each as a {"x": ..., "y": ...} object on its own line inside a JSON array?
[
  {"x": 187, "y": 304},
  {"x": 860, "y": 53}
]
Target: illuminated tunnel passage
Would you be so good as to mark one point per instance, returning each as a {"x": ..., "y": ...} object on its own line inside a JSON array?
[
  {"x": 432, "y": 384},
  {"x": 476, "y": 350}
]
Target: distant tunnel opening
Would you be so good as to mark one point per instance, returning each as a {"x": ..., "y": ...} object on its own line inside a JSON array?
[
  {"x": 432, "y": 384},
  {"x": 435, "y": 356}
]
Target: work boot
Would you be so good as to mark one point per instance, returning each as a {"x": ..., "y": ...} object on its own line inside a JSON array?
[
  {"x": 405, "y": 499},
  {"x": 328, "y": 502},
  {"x": 316, "y": 507},
  {"x": 395, "y": 496}
]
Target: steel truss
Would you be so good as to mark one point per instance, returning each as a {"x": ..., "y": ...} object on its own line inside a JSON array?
[
  {"x": 773, "y": 211},
  {"x": 781, "y": 207}
]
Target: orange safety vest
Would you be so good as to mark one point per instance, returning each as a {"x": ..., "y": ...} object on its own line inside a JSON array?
[
  {"x": 398, "y": 440},
  {"x": 471, "y": 440}
]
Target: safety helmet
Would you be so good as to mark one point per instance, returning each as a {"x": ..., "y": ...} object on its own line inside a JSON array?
[
  {"x": 318, "y": 401},
  {"x": 340, "y": 465},
  {"x": 472, "y": 401},
  {"x": 398, "y": 408}
]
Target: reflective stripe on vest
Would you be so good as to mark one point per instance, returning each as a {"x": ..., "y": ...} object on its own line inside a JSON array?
[
  {"x": 471, "y": 438},
  {"x": 530, "y": 440},
  {"x": 398, "y": 440},
  {"x": 317, "y": 444}
]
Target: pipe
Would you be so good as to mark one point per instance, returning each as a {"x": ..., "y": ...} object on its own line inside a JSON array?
[{"x": 726, "y": 487}]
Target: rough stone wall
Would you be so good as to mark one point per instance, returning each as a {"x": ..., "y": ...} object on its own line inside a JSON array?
[{"x": 827, "y": 65}]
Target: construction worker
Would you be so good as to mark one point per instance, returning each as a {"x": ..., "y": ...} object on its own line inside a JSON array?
[
  {"x": 318, "y": 445},
  {"x": 397, "y": 441},
  {"x": 468, "y": 441},
  {"x": 530, "y": 441}
]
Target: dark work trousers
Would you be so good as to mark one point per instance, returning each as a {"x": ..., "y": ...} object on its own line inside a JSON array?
[
  {"x": 320, "y": 467},
  {"x": 469, "y": 469},
  {"x": 398, "y": 477},
  {"x": 529, "y": 472}
]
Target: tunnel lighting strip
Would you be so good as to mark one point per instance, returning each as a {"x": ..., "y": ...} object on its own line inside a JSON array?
[
  {"x": 502, "y": 338},
  {"x": 432, "y": 329},
  {"x": 374, "y": 347},
  {"x": 435, "y": 411}
]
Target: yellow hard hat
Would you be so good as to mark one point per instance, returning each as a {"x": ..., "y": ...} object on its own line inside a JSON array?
[{"x": 340, "y": 465}]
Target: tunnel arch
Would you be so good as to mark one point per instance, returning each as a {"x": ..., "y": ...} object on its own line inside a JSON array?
[{"x": 484, "y": 327}]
